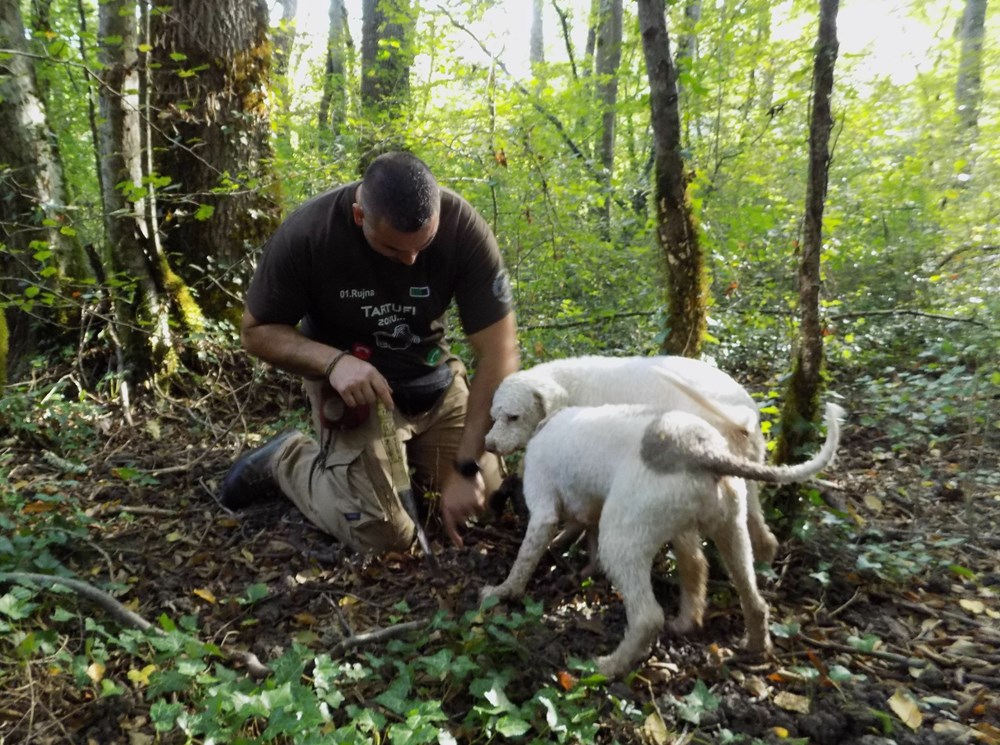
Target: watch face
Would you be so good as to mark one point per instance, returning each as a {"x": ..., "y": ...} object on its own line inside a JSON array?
[{"x": 467, "y": 468}]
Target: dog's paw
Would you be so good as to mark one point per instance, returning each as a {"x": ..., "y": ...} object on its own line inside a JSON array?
[
  {"x": 492, "y": 591},
  {"x": 683, "y": 626},
  {"x": 611, "y": 667},
  {"x": 764, "y": 546}
]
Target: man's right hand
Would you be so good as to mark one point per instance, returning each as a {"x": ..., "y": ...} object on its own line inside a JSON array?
[{"x": 359, "y": 383}]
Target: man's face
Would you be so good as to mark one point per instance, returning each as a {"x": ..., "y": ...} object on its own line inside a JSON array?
[{"x": 393, "y": 244}]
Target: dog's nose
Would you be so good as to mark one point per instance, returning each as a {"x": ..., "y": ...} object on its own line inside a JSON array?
[{"x": 491, "y": 446}]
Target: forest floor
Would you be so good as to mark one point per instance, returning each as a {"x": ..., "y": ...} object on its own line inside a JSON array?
[{"x": 887, "y": 617}]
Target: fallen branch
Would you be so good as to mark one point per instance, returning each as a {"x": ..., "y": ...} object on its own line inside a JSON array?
[
  {"x": 123, "y": 615},
  {"x": 901, "y": 659},
  {"x": 376, "y": 636}
]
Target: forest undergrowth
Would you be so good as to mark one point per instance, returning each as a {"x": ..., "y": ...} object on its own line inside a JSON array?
[{"x": 884, "y": 605}]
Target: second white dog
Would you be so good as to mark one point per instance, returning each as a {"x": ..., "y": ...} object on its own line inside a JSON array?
[
  {"x": 525, "y": 398},
  {"x": 648, "y": 477}
]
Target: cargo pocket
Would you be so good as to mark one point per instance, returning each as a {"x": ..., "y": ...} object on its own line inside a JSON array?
[{"x": 368, "y": 514}]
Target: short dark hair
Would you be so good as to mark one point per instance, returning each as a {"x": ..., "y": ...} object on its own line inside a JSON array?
[{"x": 400, "y": 188}]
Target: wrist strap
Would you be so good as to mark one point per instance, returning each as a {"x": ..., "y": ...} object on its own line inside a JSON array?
[{"x": 333, "y": 363}]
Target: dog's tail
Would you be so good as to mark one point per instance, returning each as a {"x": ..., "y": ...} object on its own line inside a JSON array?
[
  {"x": 735, "y": 422},
  {"x": 695, "y": 449}
]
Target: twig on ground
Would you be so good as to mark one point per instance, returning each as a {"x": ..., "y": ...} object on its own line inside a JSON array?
[
  {"x": 376, "y": 636},
  {"x": 139, "y": 509},
  {"x": 123, "y": 615}
]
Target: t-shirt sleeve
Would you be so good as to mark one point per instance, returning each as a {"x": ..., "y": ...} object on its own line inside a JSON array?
[
  {"x": 483, "y": 293},
  {"x": 276, "y": 293}
]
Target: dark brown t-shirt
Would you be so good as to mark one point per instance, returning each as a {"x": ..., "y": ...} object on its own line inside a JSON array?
[{"x": 318, "y": 269}]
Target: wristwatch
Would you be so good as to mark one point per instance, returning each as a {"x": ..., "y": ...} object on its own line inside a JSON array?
[{"x": 467, "y": 468}]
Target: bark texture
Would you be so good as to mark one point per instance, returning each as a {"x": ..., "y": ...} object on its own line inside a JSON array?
[
  {"x": 212, "y": 135},
  {"x": 801, "y": 401},
  {"x": 677, "y": 231},
  {"x": 142, "y": 304},
  {"x": 36, "y": 244}
]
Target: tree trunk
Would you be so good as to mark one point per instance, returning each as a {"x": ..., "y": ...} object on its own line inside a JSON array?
[
  {"x": 609, "y": 56},
  {"x": 37, "y": 243},
  {"x": 677, "y": 231},
  {"x": 284, "y": 37},
  {"x": 213, "y": 143},
  {"x": 687, "y": 55},
  {"x": 142, "y": 307},
  {"x": 968, "y": 87},
  {"x": 801, "y": 402},
  {"x": 537, "y": 44},
  {"x": 386, "y": 57},
  {"x": 283, "y": 41},
  {"x": 333, "y": 104}
]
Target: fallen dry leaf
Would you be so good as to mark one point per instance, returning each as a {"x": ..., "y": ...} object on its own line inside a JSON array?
[
  {"x": 873, "y": 503},
  {"x": 656, "y": 730},
  {"x": 977, "y": 607},
  {"x": 205, "y": 595},
  {"x": 905, "y": 707},
  {"x": 793, "y": 702},
  {"x": 566, "y": 681},
  {"x": 95, "y": 671}
]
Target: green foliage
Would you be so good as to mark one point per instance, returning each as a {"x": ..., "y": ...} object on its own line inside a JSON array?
[
  {"x": 39, "y": 525},
  {"x": 60, "y": 416},
  {"x": 458, "y": 683}
]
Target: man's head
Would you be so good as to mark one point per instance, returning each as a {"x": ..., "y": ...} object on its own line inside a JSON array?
[{"x": 398, "y": 206}]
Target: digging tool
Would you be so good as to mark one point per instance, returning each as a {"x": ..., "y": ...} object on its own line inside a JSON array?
[{"x": 401, "y": 479}]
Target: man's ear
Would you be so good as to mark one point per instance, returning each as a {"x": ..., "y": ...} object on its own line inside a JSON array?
[{"x": 358, "y": 212}]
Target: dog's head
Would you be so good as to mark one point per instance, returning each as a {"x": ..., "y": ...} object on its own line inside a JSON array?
[{"x": 520, "y": 404}]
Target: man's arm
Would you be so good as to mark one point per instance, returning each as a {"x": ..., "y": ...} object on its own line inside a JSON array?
[
  {"x": 289, "y": 349},
  {"x": 497, "y": 356}
]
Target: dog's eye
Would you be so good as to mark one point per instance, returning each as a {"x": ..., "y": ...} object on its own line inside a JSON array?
[{"x": 513, "y": 417}]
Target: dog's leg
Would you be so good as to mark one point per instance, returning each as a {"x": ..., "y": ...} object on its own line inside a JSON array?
[
  {"x": 764, "y": 544},
  {"x": 627, "y": 548},
  {"x": 692, "y": 570},
  {"x": 733, "y": 541},
  {"x": 539, "y": 534}
]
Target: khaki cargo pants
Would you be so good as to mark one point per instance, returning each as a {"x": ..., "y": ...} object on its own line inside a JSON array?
[{"x": 348, "y": 493}]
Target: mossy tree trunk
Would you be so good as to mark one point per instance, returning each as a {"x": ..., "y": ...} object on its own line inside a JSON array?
[
  {"x": 212, "y": 140},
  {"x": 801, "y": 400},
  {"x": 38, "y": 245},
  {"x": 677, "y": 230},
  {"x": 147, "y": 318}
]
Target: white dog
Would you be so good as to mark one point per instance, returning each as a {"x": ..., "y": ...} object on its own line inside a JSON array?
[
  {"x": 525, "y": 398},
  {"x": 648, "y": 477}
]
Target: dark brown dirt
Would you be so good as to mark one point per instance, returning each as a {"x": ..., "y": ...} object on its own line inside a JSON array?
[{"x": 912, "y": 561}]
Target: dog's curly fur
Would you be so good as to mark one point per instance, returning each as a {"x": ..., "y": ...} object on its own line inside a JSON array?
[
  {"x": 648, "y": 477},
  {"x": 524, "y": 399}
]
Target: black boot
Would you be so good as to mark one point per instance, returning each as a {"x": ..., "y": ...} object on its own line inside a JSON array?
[{"x": 251, "y": 478}]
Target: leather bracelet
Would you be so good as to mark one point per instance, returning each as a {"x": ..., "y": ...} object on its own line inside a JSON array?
[{"x": 333, "y": 363}]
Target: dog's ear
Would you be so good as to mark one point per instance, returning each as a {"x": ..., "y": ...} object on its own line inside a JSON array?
[{"x": 549, "y": 397}]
